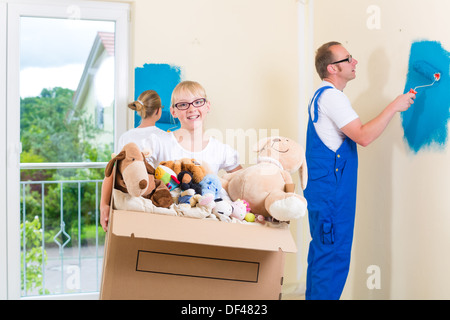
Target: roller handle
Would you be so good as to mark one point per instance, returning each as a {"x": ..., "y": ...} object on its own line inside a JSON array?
[{"x": 412, "y": 91}]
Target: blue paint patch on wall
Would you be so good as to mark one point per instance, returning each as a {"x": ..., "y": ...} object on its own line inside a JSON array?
[
  {"x": 162, "y": 78},
  {"x": 425, "y": 123}
]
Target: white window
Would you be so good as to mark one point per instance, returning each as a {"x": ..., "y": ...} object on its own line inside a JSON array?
[{"x": 63, "y": 88}]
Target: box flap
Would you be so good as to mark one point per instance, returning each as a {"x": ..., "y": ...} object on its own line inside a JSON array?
[{"x": 201, "y": 231}]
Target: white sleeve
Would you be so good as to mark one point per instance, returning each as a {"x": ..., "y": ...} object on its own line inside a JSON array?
[
  {"x": 120, "y": 144},
  {"x": 152, "y": 144},
  {"x": 231, "y": 158},
  {"x": 337, "y": 107}
]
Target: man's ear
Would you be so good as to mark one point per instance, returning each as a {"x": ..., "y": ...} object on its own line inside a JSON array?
[{"x": 331, "y": 68}]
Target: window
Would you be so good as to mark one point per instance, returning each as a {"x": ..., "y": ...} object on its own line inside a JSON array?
[{"x": 62, "y": 108}]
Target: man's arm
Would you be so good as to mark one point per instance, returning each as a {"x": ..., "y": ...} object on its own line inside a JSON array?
[{"x": 364, "y": 134}]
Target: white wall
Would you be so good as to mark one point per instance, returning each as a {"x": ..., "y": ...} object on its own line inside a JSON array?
[
  {"x": 403, "y": 212},
  {"x": 243, "y": 52}
]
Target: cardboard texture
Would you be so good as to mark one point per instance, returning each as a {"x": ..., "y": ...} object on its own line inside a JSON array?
[{"x": 151, "y": 256}]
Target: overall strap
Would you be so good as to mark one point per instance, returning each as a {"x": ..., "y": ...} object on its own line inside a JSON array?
[{"x": 315, "y": 101}]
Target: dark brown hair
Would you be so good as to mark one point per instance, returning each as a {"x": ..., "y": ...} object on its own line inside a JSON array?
[{"x": 324, "y": 57}]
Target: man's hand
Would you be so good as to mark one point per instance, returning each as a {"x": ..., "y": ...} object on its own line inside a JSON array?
[{"x": 403, "y": 102}]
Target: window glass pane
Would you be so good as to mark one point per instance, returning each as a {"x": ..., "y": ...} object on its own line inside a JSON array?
[
  {"x": 66, "y": 89},
  {"x": 66, "y": 115}
]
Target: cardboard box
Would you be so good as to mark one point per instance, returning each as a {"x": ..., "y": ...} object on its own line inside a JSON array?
[{"x": 151, "y": 256}]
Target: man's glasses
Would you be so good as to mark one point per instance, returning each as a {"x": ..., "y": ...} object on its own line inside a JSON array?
[
  {"x": 185, "y": 105},
  {"x": 349, "y": 60}
]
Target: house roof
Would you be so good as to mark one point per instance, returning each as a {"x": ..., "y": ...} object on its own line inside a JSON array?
[
  {"x": 107, "y": 39},
  {"x": 104, "y": 41}
]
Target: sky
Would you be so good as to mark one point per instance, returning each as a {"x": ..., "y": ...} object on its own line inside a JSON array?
[{"x": 53, "y": 52}]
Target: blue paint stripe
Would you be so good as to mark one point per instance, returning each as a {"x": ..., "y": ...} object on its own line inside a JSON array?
[{"x": 425, "y": 123}]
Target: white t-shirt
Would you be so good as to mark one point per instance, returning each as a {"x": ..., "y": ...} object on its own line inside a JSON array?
[
  {"x": 138, "y": 136},
  {"x": 335, "y": 112},
  {"x": 216, "y": 154}
]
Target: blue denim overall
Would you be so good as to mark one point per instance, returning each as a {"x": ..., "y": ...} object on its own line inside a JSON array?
[{"x": 331, "y": 196}]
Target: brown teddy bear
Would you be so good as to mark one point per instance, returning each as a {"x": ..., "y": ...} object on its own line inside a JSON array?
[
  {"x": 198, "y": 171},
  {"x": 134, "y": 175},
  {"x": 267, "y": 186}
]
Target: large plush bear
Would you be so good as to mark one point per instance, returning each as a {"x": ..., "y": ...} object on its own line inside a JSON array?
[{"x": 267, "y": 186}]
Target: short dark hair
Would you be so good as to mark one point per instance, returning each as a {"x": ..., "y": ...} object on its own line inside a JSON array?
[{"x": 324, "y": 57}]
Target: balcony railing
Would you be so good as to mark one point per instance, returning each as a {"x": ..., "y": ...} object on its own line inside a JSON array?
[{"x": 61, "y": 239}]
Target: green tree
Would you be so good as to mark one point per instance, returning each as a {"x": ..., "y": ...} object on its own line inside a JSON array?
[
  {"x": 53, "y": 130},
  {"x": 33, "y": 258}
]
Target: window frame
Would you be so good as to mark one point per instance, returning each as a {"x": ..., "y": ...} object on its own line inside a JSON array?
[
  {"x": 3, "y": 220},
  {"x": 10, "y": 13}
]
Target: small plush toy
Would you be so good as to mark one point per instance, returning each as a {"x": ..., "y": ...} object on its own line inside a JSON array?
[
  {"x": 247, "y": 205},
  {"x": 198, "y": 171},
  {"x": 167, "y": 176},
  {"x": 222, "y": 207},
  {"x": 239, "y": 209},
  {"x": 186, "y": 182},
  {"x": 211, "y": 184},
  {"x": 185, "y": 196},
  {"x": 268, "y": 185},
  {"x": 250, "y": 217},
  {"x": 259, "y": 218},
  {"x": 134, "y": 175},
  {"x": 188, "y": 197}
]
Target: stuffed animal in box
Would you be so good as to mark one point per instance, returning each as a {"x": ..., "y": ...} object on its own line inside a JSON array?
[
  {"x": 222, "y": 208},
  {"x": 134, "y": 175},
  {"x": 240, "y": 209},
  {"x": 186, "y": 180},
  {"x": 189, "y": 197},
  {"x": 211, "y": 184},
  {"x": 198, "y": 171},
  {"x": 167, "y": 176},
  {"x": 267, "y": 186}
]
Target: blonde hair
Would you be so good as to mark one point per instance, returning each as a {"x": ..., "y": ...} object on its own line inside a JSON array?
[
  {"x": 147, "y": 104},
  {"x": 193, "y": 87}
]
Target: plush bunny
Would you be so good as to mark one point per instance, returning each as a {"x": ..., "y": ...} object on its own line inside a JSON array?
[
  {"x": 134, "y": 175},
  {"x": 267, "y": 186}
]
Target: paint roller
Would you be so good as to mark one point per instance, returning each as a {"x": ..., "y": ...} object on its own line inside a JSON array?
[{"x": 428, "y": 71}]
